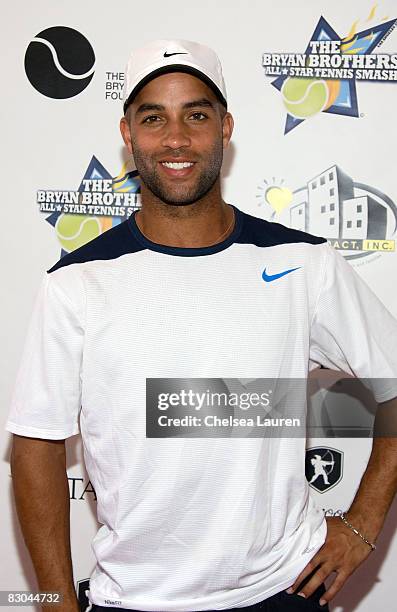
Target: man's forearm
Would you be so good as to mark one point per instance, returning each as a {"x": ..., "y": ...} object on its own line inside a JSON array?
[
  {"x": 41, "y": 492},
  {"x": 378, "y": 485}
]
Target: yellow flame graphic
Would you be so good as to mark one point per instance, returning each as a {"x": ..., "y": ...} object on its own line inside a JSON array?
[
  {"x": 120, "y": 182},
  {"x": 346, "y": 46},
  {"x": 122, "y": 173},
  {"x": 372, "y": 12},
  {"x": 122, "y": 186},
  {"x": 353, "y": 31}
]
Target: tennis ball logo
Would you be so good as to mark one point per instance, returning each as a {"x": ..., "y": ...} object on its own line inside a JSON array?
[
  {"x": 59, "y": 62},
  {"x": 75, "y": 230},
  {"x": 304, "y": 98}
]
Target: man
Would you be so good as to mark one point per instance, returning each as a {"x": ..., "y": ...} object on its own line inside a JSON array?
[{"x": 190, "y": 287}]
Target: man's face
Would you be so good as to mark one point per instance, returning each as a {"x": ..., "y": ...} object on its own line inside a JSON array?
[{"x": 176, "y": 130}]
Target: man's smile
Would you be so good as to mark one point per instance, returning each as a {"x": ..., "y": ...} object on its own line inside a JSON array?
[{"x": 177, "y": 169}]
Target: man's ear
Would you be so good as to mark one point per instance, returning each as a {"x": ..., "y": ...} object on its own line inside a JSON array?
[
  {"x": 126, "y": 133},
  {"x": 227, "y": 129}
]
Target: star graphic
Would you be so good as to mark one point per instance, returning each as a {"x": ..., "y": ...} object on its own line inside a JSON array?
[
  {"x": 128, "y": 183},
  {"x": 361, "y": 43},
  {"x": 95, "y": 170}
]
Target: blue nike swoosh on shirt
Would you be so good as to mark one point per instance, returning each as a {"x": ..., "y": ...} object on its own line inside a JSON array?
[{"x": 268, "y": 278}]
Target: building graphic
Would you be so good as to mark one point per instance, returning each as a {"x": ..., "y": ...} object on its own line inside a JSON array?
[
  {"x": 363, "y": 218},
  {"x": 326, "y": 194},
  {"x": 299, "y": 211},
  {"x": 354, "y": 217}
]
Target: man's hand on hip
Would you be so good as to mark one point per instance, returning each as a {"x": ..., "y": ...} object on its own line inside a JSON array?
[{"x": 342, "y": 552}]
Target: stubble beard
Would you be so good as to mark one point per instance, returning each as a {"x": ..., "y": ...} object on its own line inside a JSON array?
[{"x": 181, "y": 196}]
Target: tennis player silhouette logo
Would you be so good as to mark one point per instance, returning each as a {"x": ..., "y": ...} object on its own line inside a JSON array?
[{"x": 323, "y": 467}]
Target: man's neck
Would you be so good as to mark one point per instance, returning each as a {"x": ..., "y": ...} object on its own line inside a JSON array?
[{"x": 203, "y": 223}]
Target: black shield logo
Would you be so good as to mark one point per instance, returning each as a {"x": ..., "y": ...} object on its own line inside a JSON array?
[
  {"x": 323, "y": 467},
  {"x": 83, "y": 586}
]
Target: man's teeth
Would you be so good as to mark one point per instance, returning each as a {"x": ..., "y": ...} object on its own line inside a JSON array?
[{"x": 177, "y": 165}]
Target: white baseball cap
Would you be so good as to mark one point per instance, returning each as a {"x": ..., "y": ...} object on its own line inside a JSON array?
[{"x": 163, "y": 56}]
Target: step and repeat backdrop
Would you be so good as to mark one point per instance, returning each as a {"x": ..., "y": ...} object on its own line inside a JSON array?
[{"x": 312, "y": 86}]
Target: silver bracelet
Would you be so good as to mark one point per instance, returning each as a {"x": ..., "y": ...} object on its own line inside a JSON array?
[{"x": 343, "y": 517}]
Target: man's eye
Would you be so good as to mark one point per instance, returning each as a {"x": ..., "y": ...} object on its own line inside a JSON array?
[
  {"x": 198, "y": 116},
  {"x": 151, "y": 119}
]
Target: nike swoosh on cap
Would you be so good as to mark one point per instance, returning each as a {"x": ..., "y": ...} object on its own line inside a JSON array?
[
  {"x": 176, "y": 53},
  {"x": 268, "y": 278}
]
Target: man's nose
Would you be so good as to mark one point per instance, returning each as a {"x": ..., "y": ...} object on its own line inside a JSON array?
[{"x": 176, "y": 135}]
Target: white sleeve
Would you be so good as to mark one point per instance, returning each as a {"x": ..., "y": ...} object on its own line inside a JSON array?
[
  {"x": 352, "y": 330},
  {"x": 46, "y": 398}
]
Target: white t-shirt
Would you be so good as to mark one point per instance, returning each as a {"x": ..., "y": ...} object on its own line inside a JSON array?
[{"x": 194, "y": 523}]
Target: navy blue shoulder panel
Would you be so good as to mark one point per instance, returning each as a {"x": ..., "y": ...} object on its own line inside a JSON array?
[
  {"x": 266, "y": 233},
  {"x": 116, "y": 241}
]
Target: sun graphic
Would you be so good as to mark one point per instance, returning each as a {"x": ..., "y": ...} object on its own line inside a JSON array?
[{"x": 272, "y": 193}]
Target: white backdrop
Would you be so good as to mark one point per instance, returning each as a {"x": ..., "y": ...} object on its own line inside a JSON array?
[{"x": 346, "y": 145}]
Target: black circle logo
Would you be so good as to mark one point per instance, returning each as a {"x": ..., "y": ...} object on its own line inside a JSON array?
[{"x": 59, "y": 62}]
